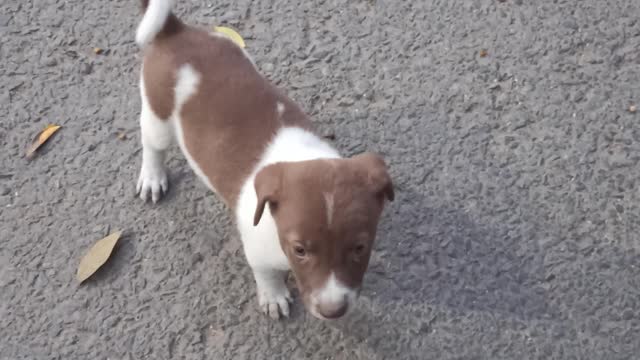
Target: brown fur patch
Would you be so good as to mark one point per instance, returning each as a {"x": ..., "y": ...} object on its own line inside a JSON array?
[{"x": 230, "y": 120}]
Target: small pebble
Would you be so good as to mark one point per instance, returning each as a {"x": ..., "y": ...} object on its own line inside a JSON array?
[
  {"x": 633, "y": 109},
  {"x": 51, "y": 62},
  {"x": 346, "y": 101}
]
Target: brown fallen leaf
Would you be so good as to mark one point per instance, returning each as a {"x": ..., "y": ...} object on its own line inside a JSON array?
[
  {"x": 41, "y": 138},
  {"x": 97, "y": 256},
  {"x": 483, "y": 53},
  {"x": 122, "y": 135},
  {"x": 98, "y": 50}
]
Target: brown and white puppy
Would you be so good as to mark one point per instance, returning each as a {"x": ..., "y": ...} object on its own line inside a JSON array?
[{"x": 298, "y": 204}]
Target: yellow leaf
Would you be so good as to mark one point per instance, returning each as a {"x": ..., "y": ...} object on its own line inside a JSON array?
[
  {"x": 97, "y": 256},
  {"x": 41, "y": 138},
  {"x": 231, "y": 34}
]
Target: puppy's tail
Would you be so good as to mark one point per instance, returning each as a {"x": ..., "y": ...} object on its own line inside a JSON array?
[{"x": 157, "y": 20}]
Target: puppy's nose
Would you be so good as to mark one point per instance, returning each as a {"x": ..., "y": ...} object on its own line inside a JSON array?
[{"x": 333, "y": 309}]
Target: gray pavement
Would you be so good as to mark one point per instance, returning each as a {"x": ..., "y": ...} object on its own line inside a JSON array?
[{"x": 515, "y": 233}]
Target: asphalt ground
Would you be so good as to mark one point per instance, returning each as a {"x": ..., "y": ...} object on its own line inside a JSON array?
[{"x": 506, "y": 125}]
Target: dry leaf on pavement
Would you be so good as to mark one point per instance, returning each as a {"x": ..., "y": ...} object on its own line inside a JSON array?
[
  {"x": 231, "y": 34},
  {"x": 97, "y": 256},
  {"x": 41, "y": 138}
]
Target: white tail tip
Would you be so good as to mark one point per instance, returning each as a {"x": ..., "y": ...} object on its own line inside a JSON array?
[{"x": 153, "y": 21}]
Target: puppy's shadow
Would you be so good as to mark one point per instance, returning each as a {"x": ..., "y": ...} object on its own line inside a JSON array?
[
  {"x": 430, "y": 258},
  {"x": 441, "y": 256}
]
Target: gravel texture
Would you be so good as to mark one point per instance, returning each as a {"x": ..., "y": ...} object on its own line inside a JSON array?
[{"x": 507, "y": 127}]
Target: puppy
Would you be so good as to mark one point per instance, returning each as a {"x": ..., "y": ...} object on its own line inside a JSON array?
[{"x": 298, "y": 204}]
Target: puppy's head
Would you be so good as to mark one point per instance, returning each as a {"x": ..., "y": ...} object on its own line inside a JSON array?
[{"x": 326, "y": 212}]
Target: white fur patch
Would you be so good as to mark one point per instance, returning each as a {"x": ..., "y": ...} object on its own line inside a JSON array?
[
  {"x": 328, "y": 202},
  {"x": 279, "y": 109},
  {"x": 186, "y": 85},
  {"x": 332, "y": 291}
]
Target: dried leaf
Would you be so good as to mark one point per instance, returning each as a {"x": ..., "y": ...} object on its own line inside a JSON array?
[
  {"x": 483, "y": 53},
  {"x": 98, "y": 50},
  {"x": 122, "y": 135},
  {"x": 97, "y": 256},
  {"x": 41, "y": 138},
  {"x": 231, "y": 34}
]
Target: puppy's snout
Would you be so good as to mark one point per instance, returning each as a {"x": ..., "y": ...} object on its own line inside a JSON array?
[
  {"x": 333, "y": 309},
  {"x": 333, "y": 300}
]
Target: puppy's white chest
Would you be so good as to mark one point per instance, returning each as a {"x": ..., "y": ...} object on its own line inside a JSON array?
[{"x": 261, "y": 242}]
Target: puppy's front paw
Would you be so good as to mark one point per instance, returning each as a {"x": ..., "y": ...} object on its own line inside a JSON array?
[
  {"x": 152, "y": 182},
  {"x": 273, "y": 299}
]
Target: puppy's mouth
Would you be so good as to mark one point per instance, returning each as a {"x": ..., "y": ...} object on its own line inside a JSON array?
[{"x": 319, "y": 316}]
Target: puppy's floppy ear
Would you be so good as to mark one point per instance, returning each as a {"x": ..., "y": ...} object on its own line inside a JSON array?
[
  {"x": 378, "y": 175},
  {"x": 267, "y": 184}
]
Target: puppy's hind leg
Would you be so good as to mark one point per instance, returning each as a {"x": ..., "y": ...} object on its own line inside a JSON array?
[{"x": 156, "y": 136}]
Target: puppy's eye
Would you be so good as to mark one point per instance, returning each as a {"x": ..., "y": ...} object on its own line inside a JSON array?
[
  {"x": 299, "y": 251},
  {"x": 359, "y": 249}
]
